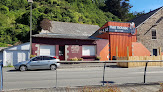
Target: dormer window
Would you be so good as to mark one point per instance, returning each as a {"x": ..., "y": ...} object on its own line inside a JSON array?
[{"x": 154, "y": 34}]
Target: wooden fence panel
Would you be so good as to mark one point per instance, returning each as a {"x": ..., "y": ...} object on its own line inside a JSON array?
[{"x": 138, "y": 58}]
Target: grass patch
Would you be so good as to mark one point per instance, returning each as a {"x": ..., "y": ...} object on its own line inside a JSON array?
[{"x": 8, "y": 66}]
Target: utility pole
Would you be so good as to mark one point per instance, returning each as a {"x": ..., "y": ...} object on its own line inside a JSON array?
[{"x": 30, "y": 1}]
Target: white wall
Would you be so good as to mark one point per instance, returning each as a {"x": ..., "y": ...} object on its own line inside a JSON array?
[
  {"x": 25, "y": 46},
  {"x": 15, "y": 54}
]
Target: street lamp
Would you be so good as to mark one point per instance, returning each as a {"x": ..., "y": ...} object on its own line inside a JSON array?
[{"x": 30, "y": 1}]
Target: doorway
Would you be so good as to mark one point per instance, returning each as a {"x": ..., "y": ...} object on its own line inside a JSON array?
[{"x": 62, "y": 52}]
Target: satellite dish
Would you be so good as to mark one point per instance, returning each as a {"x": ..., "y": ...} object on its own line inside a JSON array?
[
  {"x": 132, "y": 24},
  {"x": 132, "y": 28}
]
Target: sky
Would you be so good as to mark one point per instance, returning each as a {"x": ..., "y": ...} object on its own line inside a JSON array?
[{"x": 145, "y": 5}]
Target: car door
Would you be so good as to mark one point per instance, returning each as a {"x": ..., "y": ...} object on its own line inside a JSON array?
[
  {"x": 35, "y": 63},
  {"x": 47, "y": 61}
]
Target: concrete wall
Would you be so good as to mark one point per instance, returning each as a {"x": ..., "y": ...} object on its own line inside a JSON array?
[{"x": 145, "y": 32}]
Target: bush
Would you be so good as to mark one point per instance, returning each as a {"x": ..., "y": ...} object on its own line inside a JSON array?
[
  {"x": 80, "y": 59},
  {"x": 31, "y": 56},
  {"x": 98, "y": 57},
  {"x": 76, "y": 59}
]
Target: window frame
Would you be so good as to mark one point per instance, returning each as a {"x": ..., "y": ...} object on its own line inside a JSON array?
[
  {"x": 156, "y": 52},
  {"x": 50, "y": 58},
  {"x": 154, "y": 36},
  {"x": 37, "y": 57},
  {"x": 95, "y": 50}
]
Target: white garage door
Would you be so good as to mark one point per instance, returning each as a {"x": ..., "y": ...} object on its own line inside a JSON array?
[
  {"x": 13, "y": 57},
  {"x": 47, "y": 50}
]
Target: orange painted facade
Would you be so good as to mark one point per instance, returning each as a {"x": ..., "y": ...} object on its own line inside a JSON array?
[
  {"x": 118, "y": 40},
  {"x": 104, "y": 53},
  {"x": 140, "y": 50}
]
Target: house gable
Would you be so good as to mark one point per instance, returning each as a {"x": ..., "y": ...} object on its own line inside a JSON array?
[
  {"x": 153, "y": 22},
  {"x": 24, "y": 46},
  {"x": 143, "y": 18}
]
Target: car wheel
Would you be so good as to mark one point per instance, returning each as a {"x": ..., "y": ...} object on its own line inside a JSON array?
[
  {"x": 23, "y": 68},
  {"x": 53, "y": 67}
]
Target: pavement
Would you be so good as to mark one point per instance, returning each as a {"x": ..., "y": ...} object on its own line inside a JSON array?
[
  {"x": 84, "y": 65},
  {"x": 148, "y": 87}
]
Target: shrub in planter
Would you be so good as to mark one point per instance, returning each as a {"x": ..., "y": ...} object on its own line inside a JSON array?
[
  {"x": 31, "y": 56},
  {"x": 80, "y": 59},
  {"x": 98, "y": 57},
  {"x": 74, "y": 59}
]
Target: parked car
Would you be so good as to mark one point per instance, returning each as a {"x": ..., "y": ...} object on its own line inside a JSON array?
[{"x": 38, "y": 62}]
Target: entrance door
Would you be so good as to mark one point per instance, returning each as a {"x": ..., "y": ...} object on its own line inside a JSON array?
[{"x": 62, "y": 52}]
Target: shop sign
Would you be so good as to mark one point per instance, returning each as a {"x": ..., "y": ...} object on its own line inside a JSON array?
[
  {"x": 119, "y": 29},
  {"x": 130, "y": 29},
  {"x": 104, "y": 30},
  {"x": 75, "y": 48}
]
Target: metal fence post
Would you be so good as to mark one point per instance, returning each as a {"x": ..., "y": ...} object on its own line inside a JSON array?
[
  {"x": 56, "y": 79},
  {"x": 1, "y": 65},
  {"x": 104, "y": 73},
  {"x": 145, "y": 71}
]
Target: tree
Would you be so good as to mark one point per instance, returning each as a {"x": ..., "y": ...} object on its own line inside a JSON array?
[
  {"x": 119, "y": 8},
  {"x": 46, "y": 24}
]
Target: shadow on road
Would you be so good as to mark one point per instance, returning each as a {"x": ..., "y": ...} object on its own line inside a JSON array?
[
  {"x": 107, "y": 82},
  {"x": 114, "y": 66}
]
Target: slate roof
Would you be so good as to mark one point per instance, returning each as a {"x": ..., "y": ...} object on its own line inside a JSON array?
[
  {"x": 140, "y": 19},
  {"x": 69, "y": 31}
]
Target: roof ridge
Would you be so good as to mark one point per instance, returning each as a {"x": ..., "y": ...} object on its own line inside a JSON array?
[
  {"x": 60, "y": 34},
  {"x": 75, "y": 23}
]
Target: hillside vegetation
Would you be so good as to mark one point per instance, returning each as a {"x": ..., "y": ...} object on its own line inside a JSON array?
[{"x": 15, "y": 16}]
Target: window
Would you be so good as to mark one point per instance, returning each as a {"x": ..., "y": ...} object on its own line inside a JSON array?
[
  {"x": 155, "y": 52},
  {"x": 37, "y": 58},
  {"x": 153, "y": 34},
  {"x": 88, "y": 50},
  {"x": 48, "y": 58}
]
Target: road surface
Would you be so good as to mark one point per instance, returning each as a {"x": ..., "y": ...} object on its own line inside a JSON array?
[{"x": 69, "y": 77}]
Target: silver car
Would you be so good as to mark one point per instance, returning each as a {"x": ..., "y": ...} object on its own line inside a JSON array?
[{"x": 38, "y": 62}]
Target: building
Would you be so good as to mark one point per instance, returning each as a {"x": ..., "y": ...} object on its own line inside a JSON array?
[
  {"x": 14, "y": 54},
  {"x": 1, "y": 53},
  {"x": 150, "y": 30},
  {"x": 70, "y": 40},
  {"x": 122, "y": 39}
]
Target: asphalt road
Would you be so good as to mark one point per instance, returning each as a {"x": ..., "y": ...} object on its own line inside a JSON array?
[{"x": 78, "y": 76}]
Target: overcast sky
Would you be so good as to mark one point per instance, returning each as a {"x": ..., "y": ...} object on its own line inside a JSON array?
[{"x": 145, "y": 5}]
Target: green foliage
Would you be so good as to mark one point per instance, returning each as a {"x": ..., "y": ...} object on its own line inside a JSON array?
[
  {"x": 3, "y": 45},
  {"x": 4, "y": 9},
  {"x": 119, "y": 8},
  {"x": 31, "y": 56},
  {"x": 98, "y": 58},
  {"x": 15, "y": 16}
]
